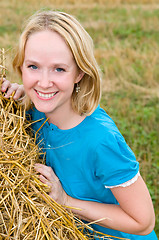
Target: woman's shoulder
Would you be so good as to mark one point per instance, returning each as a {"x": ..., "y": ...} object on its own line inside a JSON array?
[
  {"x": 111, "y": 150},
  {"x": 35, "y": 117},
  {"x": 102, "y": 122},
  {"x": 103, "y": 130},
  {"x": 34, "y": 114}
]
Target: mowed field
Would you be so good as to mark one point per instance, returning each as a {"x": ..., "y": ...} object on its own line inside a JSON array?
[{"x": 126, "y": 45}]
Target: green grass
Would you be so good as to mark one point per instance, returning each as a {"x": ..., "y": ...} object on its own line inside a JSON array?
[{"x": 126, "y": 40}]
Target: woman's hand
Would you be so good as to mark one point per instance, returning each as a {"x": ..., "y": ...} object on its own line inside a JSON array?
[
  {"x": 9, "y": 88},
  {"x": 48, "y": 177}
]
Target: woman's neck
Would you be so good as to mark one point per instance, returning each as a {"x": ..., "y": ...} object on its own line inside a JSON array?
[{"x": 65, "y": 120}]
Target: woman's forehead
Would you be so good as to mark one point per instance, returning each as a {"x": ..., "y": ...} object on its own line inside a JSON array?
[{"x": 48, "y": 45}]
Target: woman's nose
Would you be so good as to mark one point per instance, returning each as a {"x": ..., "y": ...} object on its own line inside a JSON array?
[{"x": 45, "y": 80}]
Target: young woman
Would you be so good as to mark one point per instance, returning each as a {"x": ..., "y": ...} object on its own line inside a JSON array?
[{"x": 89, "y": 166}]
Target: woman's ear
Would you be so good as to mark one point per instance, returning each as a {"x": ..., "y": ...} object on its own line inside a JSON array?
[{"x": 80, "y": 76}]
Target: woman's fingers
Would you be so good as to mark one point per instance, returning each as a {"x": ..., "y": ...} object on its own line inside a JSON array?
[
  {"x": 9, "y": 88},
  {"x": 48, "y": 177},
  {"x": 46, "y": 172},
  {"x": 5, "y": 85},
  {"x": 19, "y": 92}
]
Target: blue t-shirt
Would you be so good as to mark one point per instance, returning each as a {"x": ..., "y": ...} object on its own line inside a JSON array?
[{"x": 88, "y": 159}]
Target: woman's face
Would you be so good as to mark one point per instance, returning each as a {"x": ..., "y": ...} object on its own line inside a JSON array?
[{"x": 49, "y": 72}]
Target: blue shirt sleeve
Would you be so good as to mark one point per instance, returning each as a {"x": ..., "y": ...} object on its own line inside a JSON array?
[{"x": 115, "y": 161}]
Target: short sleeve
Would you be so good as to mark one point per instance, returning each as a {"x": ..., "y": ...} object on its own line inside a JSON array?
[{"x": 115, "y": 161}]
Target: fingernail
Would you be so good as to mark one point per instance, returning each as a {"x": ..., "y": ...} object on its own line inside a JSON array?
[{"x": 36, "y": 165}]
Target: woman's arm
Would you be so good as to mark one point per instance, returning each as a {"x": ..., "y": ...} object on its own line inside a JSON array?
[
  {"x": 9, "y": 88},
  {"x": 134, "y": 214}
]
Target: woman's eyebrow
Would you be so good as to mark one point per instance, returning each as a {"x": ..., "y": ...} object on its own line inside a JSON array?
[
  {"x": 57, "y": 64},
  {"x": 30, "y": 61},
  {"x": 60, "y": 64}
]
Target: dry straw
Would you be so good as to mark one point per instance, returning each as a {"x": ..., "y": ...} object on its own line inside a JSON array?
[{"x": 26, "y": 210}]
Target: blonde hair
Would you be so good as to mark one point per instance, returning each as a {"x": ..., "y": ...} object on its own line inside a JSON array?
[{"x": 81, "y": 46}]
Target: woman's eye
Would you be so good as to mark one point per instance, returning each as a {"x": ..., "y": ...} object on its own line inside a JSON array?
[
  {"x": 32, "y": 67},
  {"x": 59, "y": 70}
]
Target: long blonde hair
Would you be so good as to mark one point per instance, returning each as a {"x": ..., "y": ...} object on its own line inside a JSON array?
[{"x": 81, "y": 46}]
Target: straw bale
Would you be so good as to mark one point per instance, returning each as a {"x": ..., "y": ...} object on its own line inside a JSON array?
[{"x": 26, "y": 210}]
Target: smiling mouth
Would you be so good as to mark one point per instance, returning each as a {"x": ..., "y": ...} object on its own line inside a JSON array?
[{"x": 46, "y": 95}]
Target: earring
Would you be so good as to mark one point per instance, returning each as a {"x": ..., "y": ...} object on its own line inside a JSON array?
[{"x": 77, "y": 88}]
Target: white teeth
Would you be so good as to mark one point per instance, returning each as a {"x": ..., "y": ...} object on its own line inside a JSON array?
[{"x": 47, "y": 95}]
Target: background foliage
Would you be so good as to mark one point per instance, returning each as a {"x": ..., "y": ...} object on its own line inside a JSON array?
[{"x": 126, "y": 41}]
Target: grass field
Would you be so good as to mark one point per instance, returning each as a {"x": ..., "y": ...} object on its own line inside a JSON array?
[{"x": 126, "y": 40}]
